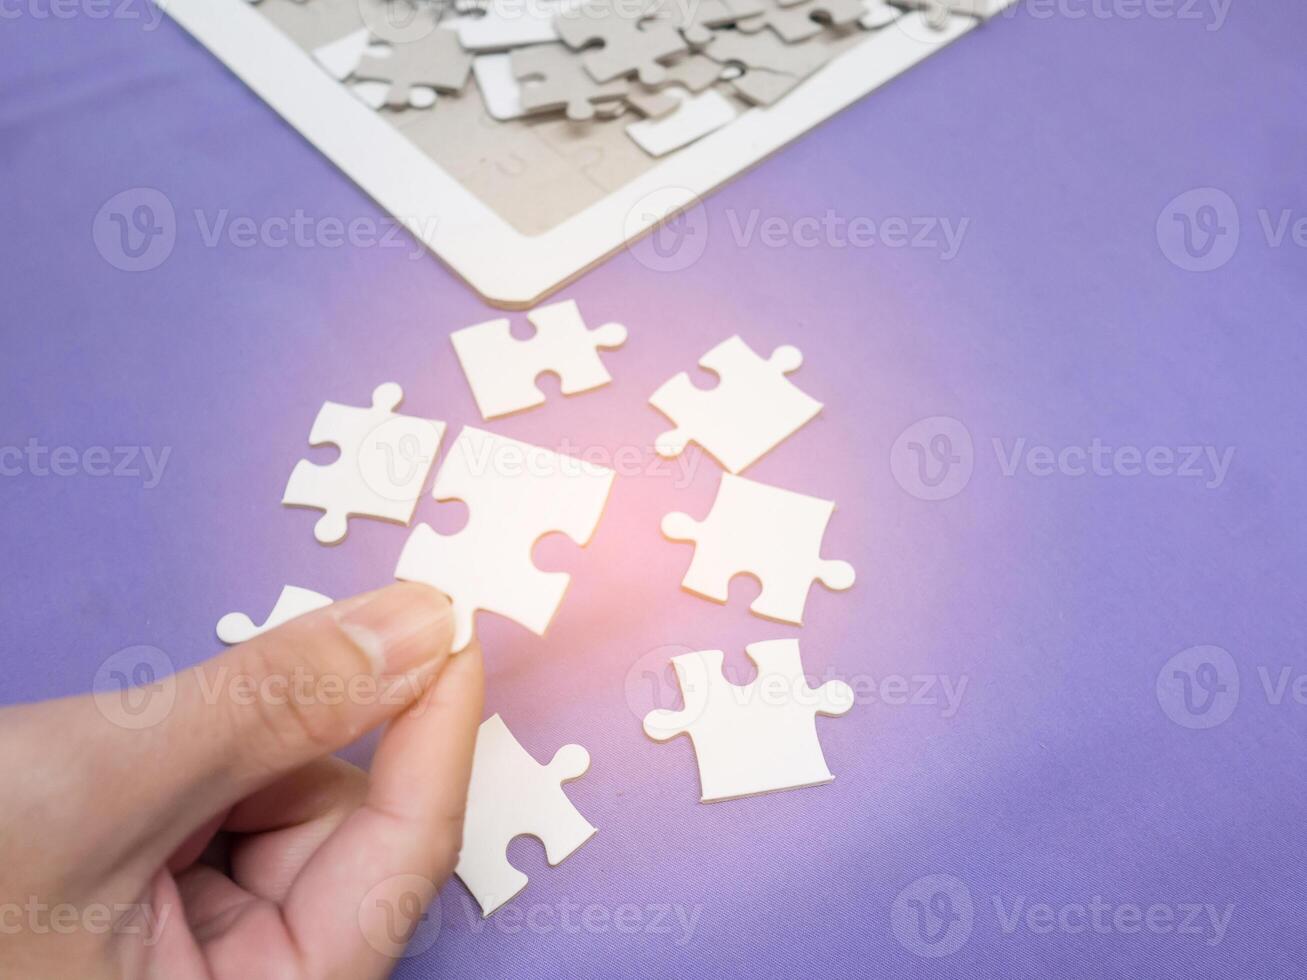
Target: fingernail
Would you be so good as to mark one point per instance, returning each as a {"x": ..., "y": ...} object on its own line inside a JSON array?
[{"x": 399, "y": 628}]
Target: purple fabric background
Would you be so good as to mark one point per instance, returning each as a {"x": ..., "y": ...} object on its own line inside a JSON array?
[{"x": 1058, "y": 599}]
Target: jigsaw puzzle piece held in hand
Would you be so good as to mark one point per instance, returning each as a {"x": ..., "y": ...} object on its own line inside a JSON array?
[
  {"x": 753, "y": 409},
  {"x": 515, "y": 493},
  {"x": 435, "y": 62},
  {"x": 552, "y": 78},
  {"x": 772, "y": 533},
  {"x": 502, "y": 370},
  {"x": 384, "y": 460},
  {"x": 293, "y": 602},
  {"x": 510, "y": 795},
  {"x": 754, "y": 738},
  {"x": 630, "y": 39}
]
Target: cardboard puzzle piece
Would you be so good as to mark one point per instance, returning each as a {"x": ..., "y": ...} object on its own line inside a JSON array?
[
  {"x": 754, "y": 407},
  {"x": 768, "y": 532},
  {"x": 384, "y": 460},
  {"x": 502, "y": 370},
  {"x": 617, "y": 39},
  {"x": 878, "y": 14},
  {"x": 755, "y": 738},
  {"x": 551, "y": 77},
  {"x": 512, "y": 795},
  {"x": 515, "y": 494},
  {"x": 435, "y": 62},
  {"x": 236, "y": 627},
  {"x": 771, "y": 68},
  {"x": 695, "y": 20},
  {"x": 797, "y": 21},
  {"x": 693, "y": 117},
  {"x": 508, "y": 24}
]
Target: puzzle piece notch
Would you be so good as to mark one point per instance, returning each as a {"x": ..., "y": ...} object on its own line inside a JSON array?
[
  {"x": 237, "y": 627},
  {"x": 765, "y": 531},
  {"x": 552, "y": 78},
  {"x": 754, "y": 738},
  {"x": 435, "y": 62},
  {"x": 753, "y": 409},
  {"x": 695, "y": 19},
  {"x": 384, "y": 461},
  {"x": 502, "y": 370},
  {"x": 767, "y": 52},
  {"x": 616, "y": 40},
  {"x": 512, "y": 795},
  {"x": 515, "y": 493}
]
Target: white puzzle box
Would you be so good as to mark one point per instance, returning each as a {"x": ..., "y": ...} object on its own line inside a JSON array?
[{"x": 523, "y": 141}]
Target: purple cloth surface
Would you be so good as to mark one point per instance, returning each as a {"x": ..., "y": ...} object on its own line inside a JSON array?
[{"x": 1064, "y": 778}]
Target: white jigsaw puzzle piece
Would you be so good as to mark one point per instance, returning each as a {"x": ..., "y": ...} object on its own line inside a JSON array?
[
  {"x": 515, "y": 494},
  {"x": 384, "y": 461},
  {"x": 236, "y": 627},
  {"x": 502, "y": 370},
  {"x": 695, "y": 117},
  {"x": 772, "y": 533},
  {"x": 755, "y": 738},
  {"x": 753, "y": 409},
  {"x": 511, "y": 795},
  {"x": 500, "y": 90}
]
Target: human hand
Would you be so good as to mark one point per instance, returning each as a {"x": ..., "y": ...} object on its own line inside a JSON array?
[{"x": 223, "y": 840}]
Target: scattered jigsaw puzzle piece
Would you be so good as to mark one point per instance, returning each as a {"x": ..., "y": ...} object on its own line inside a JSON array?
[
  {"x": 511, "y": 795},
  {"x": 754, "y": 738},
  {"x": 802, "y": 19},
  {"x": 436, "y": 62},
  {"x": 384, "y": 460},
  {"x": 627, "y": 39},
  {"x": 507, "y": 24},
  {"x": 515, "y": 494},
  {"x": 694, "y": 117},
  {"x": 502, "y": 370},
  {"x": 552, "y": 78},
  {"x": 768, "y": 532},
  {"x": 695, "y": 20},
  {"x": 753, "y": 409},
  {"x": 771, "y": 68},
  {"x": 293, "y": 602}
]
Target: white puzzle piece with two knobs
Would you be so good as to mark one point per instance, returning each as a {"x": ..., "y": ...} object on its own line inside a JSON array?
[
  {"x": 237, "y": 627},
  {"x": 502, "y": 370},
  {"x": 384, "y": 461},
  {"x": 515, "y": 493},
  {"x": 754, "y": 738},
  {"x": 772, "y": 533},
  {"x": 753, "y": 408},
  {"x": 511, "y": 795}
]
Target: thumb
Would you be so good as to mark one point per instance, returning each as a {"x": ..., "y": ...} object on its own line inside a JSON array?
[{"x": 303, "y": 690}]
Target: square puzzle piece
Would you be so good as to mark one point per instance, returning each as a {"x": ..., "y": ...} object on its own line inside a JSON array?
[
  {"x": 772, "y": 533},
  {"x": 754, "y": 738},
  {"x": 511, "y": 795},
  {"x": 502, "y": 370},
  {"x": 384, "y": 460},
  {"x": 236, "y": 627},
  {"x": 515, "y": 494},
  {"x": 753, "y": 409}
]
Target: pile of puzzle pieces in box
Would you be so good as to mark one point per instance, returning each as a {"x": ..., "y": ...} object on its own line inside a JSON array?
[
  {"x": 672, "y": 70},
  {"x": 748, "y": 739}
]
